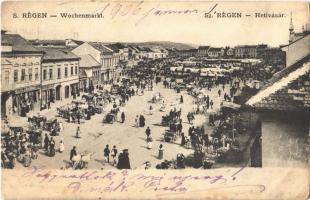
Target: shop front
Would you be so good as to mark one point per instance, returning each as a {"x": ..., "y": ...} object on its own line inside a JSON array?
[
  {"x": 84, "y": 84},
  {"x": 48, "y": 95},
  {"x": 74, "y": 90},
  {"x": 26, "y": 100},
  {"x": 58, "y": 92}
]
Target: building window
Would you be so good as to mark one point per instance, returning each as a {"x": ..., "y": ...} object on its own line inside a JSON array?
[
  {"x": 44, "y": 74},
  {"x": 75, "y": 70},
  {"x": 7, "y": 77},
  {"x": 30, "y": 74},
  {"x": 71, "y": 71},
  {"x": 51, "y": 73},
  {"x": 15, "y": 75},
  {"x": 23, "y": 75},
  {"x": 66, "y": 71},
  {"x": 58, "y": 73},
  {"x": 36, "y": 74}
]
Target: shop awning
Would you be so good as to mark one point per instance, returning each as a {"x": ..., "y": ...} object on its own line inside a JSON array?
[
  {"x": 27, "y": 89},
  {"x": 231, "y": 105}
]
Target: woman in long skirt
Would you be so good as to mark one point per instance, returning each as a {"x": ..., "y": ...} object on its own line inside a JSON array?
[
  {"x": 149, "y": 142},
  {"x": 160, "y": 152},
  {"x": 182, "y": 139},
  {"x": 61, "y": 146}
]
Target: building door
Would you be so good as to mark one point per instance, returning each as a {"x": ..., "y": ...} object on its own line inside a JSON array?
[
  {"x": 102, "y": 78},
  {"x": 108, "y": 75},
  {"x": 58, "y": 92},
  {"x": 4, "y": 98},
  {"x": 67, "y": 92},
  {"x": 256, "y": 148}
]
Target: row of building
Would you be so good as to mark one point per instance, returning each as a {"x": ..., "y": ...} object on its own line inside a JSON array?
[
  {"x": 241, "y": 51},
  {"x": 36, "y": 73}
]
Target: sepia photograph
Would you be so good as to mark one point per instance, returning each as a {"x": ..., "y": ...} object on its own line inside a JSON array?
[{"x": 155, "y": 100}]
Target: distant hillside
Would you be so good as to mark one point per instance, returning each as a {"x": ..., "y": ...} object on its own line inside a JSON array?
[{"x": 165, "y": 44}]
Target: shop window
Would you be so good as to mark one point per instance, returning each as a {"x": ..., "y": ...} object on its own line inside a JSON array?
[{"x": 67, "y": 90}]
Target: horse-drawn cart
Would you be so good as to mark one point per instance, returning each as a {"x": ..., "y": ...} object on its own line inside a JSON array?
[{"x": 170, "y": 136}]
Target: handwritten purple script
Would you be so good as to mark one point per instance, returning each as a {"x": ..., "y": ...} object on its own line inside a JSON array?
[
  {"x": 143, "y": 10},
  {"x": 126, "y": 180}
]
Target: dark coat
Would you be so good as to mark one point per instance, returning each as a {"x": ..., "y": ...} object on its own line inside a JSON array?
[{"x": 72, "y": 153}]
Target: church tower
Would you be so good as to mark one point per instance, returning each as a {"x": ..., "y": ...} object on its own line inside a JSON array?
[{"x": 291, "y": 29}]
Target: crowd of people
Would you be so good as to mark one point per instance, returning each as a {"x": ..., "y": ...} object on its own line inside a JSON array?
[
  {"x": 20, "y": 145},
  {"x": 17, "y": 144}
]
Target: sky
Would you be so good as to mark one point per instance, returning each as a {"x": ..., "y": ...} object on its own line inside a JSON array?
[{"x": 140, "y": 21}]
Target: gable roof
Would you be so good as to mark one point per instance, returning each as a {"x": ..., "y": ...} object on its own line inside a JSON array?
[
  {"x": 78, "y": 42},
  {"x": 19, "y": 44},
  {"x": 48, "y": 42},
  {"x": 203, "y": 47},
  {"x": 115, "y": 47},
  {"x": 101, "y": 47},
  {"x": 140, "y": 48},
  {"x": 82, "y": 74},
  {"x": 189, "y": 50},
  {"x": 133, "y": 48},
  {"x": 288, "y": 90},
  {"x": 87, "y": 61},
  {"x": 215, "y": 49},
  {"x": 147, "y": 49}
]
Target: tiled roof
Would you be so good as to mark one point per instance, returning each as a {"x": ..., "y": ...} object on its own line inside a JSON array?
[
  {"x": 78, "y": 42},
  {"x": 133, "y": 48},
  {"x": 87, "y": 61},
  {"x": 204, "y": 47},
  {"x": 246, "y": 46},
  {"x": 288, "y": 90},
  {"x": 100, "y": 47},
  {"x": 58, "y": 54},
  {"x": 189, "y": 50},
  {"x": 114, "y": 47},
  {"x": 48, "y": 42},
  {"x": 148, "y": 49},
  {"x": 19, "y": 44},
  {"x": 215, "y": 49},
  {"x": 140, "y": 48}
]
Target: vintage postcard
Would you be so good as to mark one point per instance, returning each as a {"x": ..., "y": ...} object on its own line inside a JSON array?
[{"x": 155, "y": 100}]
